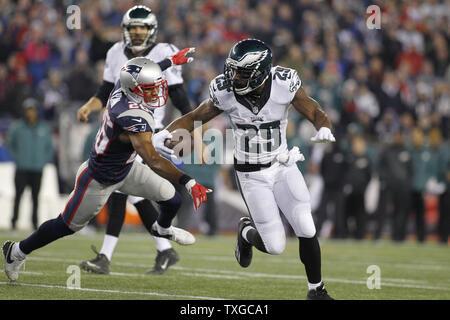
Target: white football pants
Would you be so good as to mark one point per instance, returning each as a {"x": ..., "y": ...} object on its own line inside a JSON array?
[{"x": 276, "y": 187}]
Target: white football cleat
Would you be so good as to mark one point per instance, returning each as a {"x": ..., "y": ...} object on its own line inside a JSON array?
[
  {"x": 11, "y": 266},
  {"x": 178, "y": 235}
]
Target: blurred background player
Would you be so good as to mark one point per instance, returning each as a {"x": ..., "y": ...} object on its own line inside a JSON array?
[{"x": 139, "y": 32}]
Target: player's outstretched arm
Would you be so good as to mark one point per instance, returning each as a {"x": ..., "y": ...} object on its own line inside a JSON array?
[
  {"x": 310, "y": 109},
  {"x": 142, "y": 144},
  {"x": 204, "y": 113}
]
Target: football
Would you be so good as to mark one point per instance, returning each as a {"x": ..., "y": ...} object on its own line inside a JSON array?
[{"x": 181, "y": 142}]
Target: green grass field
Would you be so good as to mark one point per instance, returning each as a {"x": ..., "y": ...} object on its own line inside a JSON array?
[{"x": 208, "y": 270}]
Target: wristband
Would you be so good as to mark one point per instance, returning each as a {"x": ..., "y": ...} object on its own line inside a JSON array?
[
  {"x": 184, "y": 179},
  {"x": 165, "y": 64}
]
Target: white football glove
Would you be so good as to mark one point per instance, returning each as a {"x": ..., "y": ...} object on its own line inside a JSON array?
[
  {"x": 291, "y": 157},
  {"x": 158, "y": 140},
  {"x": 323, "y": 135}
]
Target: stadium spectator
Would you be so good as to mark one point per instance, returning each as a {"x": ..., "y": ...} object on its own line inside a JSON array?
[
  {"x": 54, "y": 94},
  {"x": 358, "y": 172},
  {"x": 332, "y": 169},
  {"x": 395, "y": 173},
  {"x": 444, "y": 204},
  {"x": 437, "y": 184},
  {"x": 81, "y": 79},
  {"x": 422, "y": 172},
  {"x": 30, "y": 146}
]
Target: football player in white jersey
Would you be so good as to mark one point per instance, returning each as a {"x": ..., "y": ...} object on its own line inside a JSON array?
[
  {"x": 256, "y": 97},
  {"x": 139, "y": 31}
]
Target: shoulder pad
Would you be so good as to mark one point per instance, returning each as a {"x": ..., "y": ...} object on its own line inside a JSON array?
[
  {"x": 135, "y": 119},
  {"x": 218, "y": 87},
  {"x": 286, "y": 81},
  {"x": 166, "y": 49}
]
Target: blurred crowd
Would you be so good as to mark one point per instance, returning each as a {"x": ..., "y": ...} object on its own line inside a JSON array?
[{"x": 387, "y": 90}]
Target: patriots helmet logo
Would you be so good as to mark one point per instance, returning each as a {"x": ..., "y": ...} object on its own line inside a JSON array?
[{"x": 132, "y": 69}]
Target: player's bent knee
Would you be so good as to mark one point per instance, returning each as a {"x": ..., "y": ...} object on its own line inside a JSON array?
[
  {"x": 308, "y": 232},
  {"x": 275, "y": 247},
  {"x": 166, "y": 191},
  {"x": 307, "y": 227},
  {"x": 303, "y": 221}
]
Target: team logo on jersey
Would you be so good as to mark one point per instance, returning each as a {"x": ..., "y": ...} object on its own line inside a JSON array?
[
  {"x": 255, "y": 110},
  {"x": 138, "y": 127},
  {"x": 132, "y": 69},
  {"x": 257, "y": 119},
  {"x": 213, "y": 97},
  {"x": 295, "y": 84}
]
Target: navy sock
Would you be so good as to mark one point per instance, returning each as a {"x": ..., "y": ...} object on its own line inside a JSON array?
[
  {"x": 117, "y": 204},
  {"x": 48, "y": 232},
  {"x": 147, "y": 212},
  {"x": 169, "y": 209}
]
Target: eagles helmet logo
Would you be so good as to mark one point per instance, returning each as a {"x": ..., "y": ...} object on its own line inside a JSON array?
[{"x": 249, "y": 59}]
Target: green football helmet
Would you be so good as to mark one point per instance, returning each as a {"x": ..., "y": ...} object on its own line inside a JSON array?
[{"x": 248, "y": 65}]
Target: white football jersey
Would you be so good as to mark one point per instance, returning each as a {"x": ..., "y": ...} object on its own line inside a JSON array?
[
  {"x": 259, "y": 130},
  {"x": 116, "y": 59}
]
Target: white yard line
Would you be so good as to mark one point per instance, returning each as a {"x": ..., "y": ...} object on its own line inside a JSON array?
[
  {"x": 29, "y": 272},
  {"x": 228, "y": 274},
  {"x": 145, "y": 293}
]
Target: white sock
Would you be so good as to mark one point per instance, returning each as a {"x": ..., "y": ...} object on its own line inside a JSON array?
[
  {"x": 161, "y": 230},
  {"x": 245, "y": 230},
  {"x": 109, "y": 244},
  {"x": 313, "y": 286},
  {"x": 16, "y": 253},
  {"x": 162, "y": 243}
]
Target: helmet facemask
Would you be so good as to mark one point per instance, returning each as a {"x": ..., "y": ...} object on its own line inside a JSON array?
[
  {"x": 153, "y": 95},
  {"x": 244, "y": 80},
  {"x": 142, "y": 81},
  {"x": 139, "y": 16}
]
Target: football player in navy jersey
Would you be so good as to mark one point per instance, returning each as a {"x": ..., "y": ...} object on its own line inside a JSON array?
[
  {"x": 139, "y": 32},
  {"x": 256, "y": 97},
  {"x": 126, "y": 132}
]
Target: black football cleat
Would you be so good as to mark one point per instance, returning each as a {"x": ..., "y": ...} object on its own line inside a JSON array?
[
  {"x": 100, "y": 264},
  {"x": 243, "y": 250},
  {"x": 320, "y": 293},
  {"x": 164, "y": 259}
]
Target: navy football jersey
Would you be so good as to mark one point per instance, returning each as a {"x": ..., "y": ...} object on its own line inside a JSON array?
[{"x": 110, "y": 159}]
